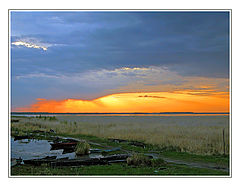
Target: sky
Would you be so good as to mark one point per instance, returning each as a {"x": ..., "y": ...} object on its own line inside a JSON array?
[{"x": 119, "y": 61}]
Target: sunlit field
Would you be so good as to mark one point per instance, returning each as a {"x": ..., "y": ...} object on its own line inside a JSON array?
[{"x": 194, "y": 134}]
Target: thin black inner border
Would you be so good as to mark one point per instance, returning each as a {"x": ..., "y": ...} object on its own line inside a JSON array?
[{"x": 124, "y": 10}]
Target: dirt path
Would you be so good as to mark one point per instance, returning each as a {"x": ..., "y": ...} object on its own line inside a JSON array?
[
  {"x": 196, "y": 164},
  {"x": 190, "y": 164}
]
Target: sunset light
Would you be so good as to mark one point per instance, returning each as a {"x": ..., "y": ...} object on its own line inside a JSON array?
[{"x": 136, "y": 102}]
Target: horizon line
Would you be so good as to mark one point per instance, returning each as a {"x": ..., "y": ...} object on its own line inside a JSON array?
[{"x": 120, "y": 112}]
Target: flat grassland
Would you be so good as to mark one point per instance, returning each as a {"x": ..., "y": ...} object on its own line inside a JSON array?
[{"x": 193, "y": 134}]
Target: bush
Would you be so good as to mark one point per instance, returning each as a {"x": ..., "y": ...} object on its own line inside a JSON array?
[
  {"x": 82, "y": 148},
  {"x": 138, "y": 160},
  {"x": 143, "y": 160}
]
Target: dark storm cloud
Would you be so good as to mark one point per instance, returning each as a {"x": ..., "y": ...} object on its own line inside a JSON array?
[{"x": 114, "y": 39}]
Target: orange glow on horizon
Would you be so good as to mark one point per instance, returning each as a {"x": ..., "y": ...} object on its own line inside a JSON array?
[{"x": 178, "y": 101}]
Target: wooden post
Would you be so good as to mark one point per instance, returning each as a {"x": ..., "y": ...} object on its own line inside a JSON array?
[{"x": 223, "y": 143}]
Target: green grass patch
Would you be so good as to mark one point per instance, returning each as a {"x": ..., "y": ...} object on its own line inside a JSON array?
[{"x": 114, "y": 169}]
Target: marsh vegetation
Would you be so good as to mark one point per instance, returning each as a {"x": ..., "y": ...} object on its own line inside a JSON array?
[
  {"x": 126, "y": 145},
  {"x": 194, "y": 134}
]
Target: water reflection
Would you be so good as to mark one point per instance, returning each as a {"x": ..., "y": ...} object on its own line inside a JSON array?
[{"x": 35, "y": 149}]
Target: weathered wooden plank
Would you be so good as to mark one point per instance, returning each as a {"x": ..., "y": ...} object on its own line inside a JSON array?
[
  {"x": 117, "y": 140},
  {"x": 138, "y": 144},
  {"x": 117, "y": 161},
  {"x": 52, "y": 161},
  {"x": 70, "y": 145},
  {"x": 22, "y": 137},
  {"x": 116, "y": 157},
  {"x": 75, "y": 162},
  {"x": 46, "y": 160}
]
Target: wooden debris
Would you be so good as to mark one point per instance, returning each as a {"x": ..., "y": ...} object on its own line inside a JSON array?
[
  {"x": 36, "y": 162},
  {"x": 64, "y": 140},
  {"x": 116, "y": 157},
  {"x": 68, "y": 150},
  {"x": 70, "y": 145},
  {"x": 138, "y": 144},
  {"x": 117, "y": 161},
  {"x": 70, "y": 140},
  {"x": 104, "y": 150},
  {"x": 22, "y": 137},
  {"x": 46, "y": 160},
  {"x": 92, "y": 161},
  {"x": 57, "y": 140},
  {"x": 134, "y": 143},
  {"x": 117, "y": 140},
  {"x": 38, "y": 131},
  {"x": 76, "y": 162},
  {"x": 50, "y": 157},
  {"x": 95, "y": 151},
  {"x": 52, "y": 161},
  {"x": 111, "y": 150}
]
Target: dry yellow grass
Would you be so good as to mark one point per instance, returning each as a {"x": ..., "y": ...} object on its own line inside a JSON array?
[{"x": 196, "y": 134}]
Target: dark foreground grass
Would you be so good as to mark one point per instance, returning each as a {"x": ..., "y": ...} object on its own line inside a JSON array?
[{"x": 114, "y": 169}]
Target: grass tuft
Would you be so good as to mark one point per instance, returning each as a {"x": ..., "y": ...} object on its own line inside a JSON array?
[
  {"x": 82, "y": 148},
  {"x": 143, "y": 160}
]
